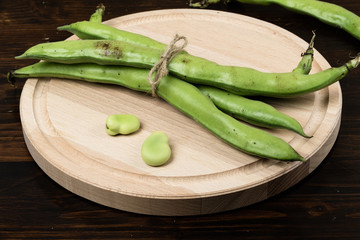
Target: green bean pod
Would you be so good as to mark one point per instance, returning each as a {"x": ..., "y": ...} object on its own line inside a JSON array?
[
  {"x": 196, "y": 70},
  {"x": 182, "y": 95},
  {"x": 251, "y": 111},
  {"x": 328, "y": 13},
  {"x": 96, "y": 30},
  {"x": 85, "y": 72},
  {"x": 103, "y": 52}
]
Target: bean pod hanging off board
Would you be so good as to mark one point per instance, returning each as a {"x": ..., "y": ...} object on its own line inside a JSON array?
[{"x": 328, "y": 13}]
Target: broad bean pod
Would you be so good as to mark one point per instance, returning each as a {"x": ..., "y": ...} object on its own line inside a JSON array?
[
  {"x": 251, "y": 111},
  {"x": 196, "y": 70},
  {"x": 95, "y": 30},
  {"x": 182, "y": 95},
  {"x": 328, "y": 13},
  {"x": 86, "y": 72}
]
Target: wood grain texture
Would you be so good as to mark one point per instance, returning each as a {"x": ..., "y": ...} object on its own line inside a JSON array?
[
  {"x": 63, "y": 124},
  {"x": 324, "y": 205}
]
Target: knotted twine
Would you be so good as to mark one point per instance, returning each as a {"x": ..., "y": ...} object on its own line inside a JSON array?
[{"x": 161, "y": 66}]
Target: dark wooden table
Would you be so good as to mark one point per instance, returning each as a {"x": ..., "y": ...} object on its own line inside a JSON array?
[{"x": 325, "y": 205}]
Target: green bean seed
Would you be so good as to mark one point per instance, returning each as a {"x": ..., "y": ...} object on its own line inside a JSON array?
[
  {"x": 121, "y": 124},
  {"x": 155, "y": 150}
]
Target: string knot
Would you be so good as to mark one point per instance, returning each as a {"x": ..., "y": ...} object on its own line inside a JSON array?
[{"x": 161, "y": 66}]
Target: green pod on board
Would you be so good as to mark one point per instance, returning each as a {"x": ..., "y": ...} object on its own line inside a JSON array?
[
  {"x": 251, "y": 111},
  {"x": 95, "y": 30},
  {"x": 196, "y": 70}
]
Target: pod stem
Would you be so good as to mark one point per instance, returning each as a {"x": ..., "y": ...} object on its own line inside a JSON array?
[
  {"x": 310, "y": 49},
  {"x": 311, "y": 44},
  {"x": 97, "y": 15},
  {"x": 205, "y": 3},
  {"x": 11, "y": 78},
  {"x": 353, "y": 63},
  {"x": 305, "y": 65}
]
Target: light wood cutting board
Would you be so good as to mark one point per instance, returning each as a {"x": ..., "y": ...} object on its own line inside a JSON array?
[{"x": 64, "y": 125}]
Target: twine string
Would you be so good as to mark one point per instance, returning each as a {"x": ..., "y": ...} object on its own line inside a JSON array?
[{"x": 161, "y": 66}]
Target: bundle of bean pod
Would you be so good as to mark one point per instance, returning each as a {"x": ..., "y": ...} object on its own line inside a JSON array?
[{"x": 207, "y": 92}]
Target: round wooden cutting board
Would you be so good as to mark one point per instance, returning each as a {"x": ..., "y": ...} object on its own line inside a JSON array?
[{"x": 64, "y": 125}]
